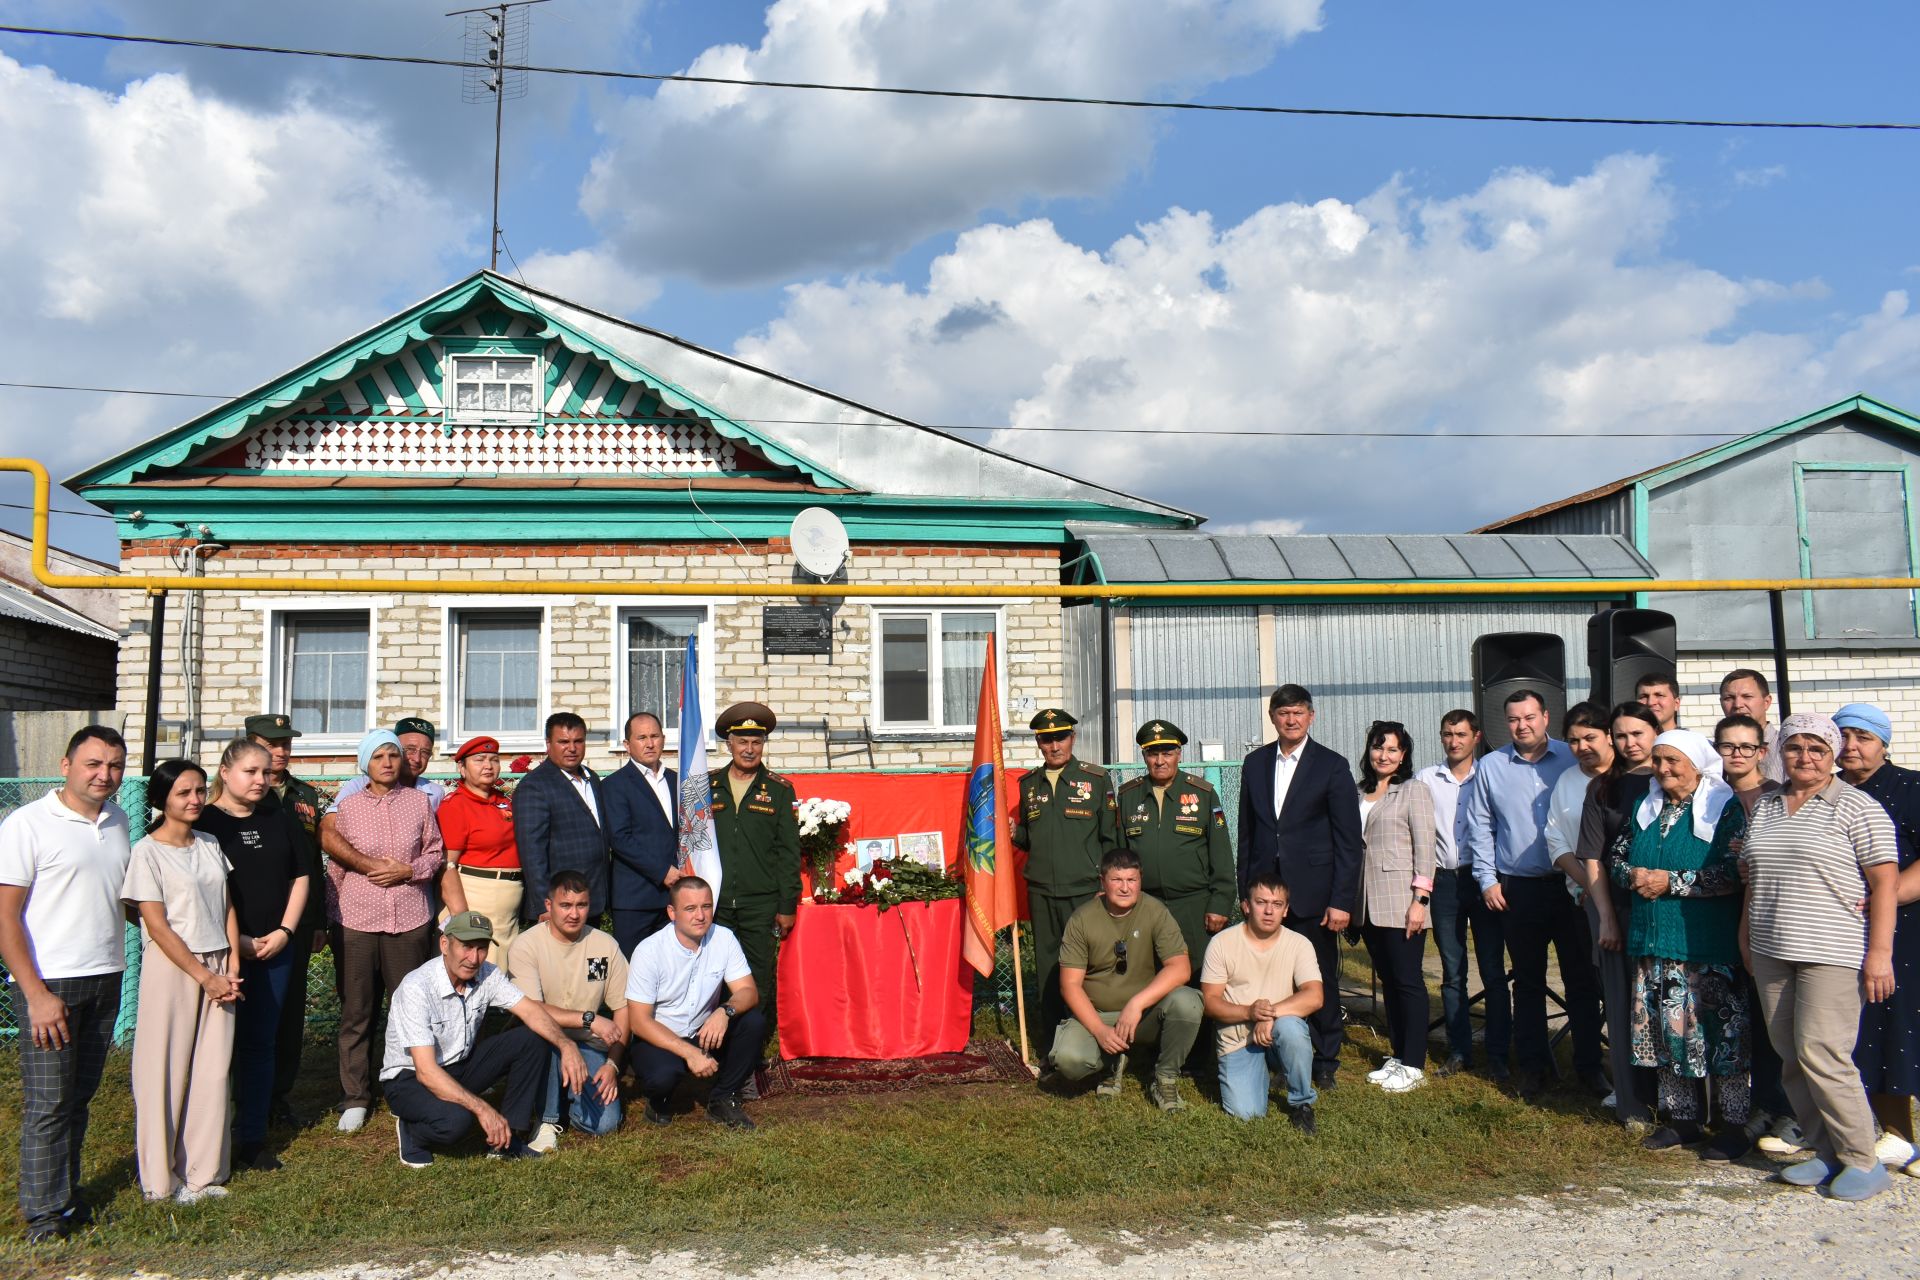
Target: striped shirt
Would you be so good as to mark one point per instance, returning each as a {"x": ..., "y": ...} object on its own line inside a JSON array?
[
  {"x": 396, "y": 825},
  {"x": 1805, "y": 873}
]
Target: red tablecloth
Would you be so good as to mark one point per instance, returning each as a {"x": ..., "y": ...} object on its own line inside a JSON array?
[{"x": 848, "y": 986}]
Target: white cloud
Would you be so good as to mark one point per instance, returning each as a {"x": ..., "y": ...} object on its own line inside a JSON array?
[
  {"x": 1762, "y": 177},
  {"x": 592, "y": 277},
  {"x": 1270, "y": 528},
  {"x": 161, "y": 238},
  {"x": 1530, "y": 305},
  {"x": 733, "y": 185}
]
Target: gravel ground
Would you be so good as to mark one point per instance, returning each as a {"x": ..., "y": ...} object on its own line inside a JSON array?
[{"x": 1721, "y": 1223}]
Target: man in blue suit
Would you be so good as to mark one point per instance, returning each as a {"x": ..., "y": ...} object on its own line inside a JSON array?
[
  {"x": 1300, "y": 819},
  {"x": 643, "y": 821},
  {"x": 559, "y": 820}
]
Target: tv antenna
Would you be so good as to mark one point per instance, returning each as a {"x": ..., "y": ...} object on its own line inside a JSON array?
[{"x": 496, "y": 38}]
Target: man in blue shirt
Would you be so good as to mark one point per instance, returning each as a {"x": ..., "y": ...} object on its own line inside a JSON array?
[{"x": 1505, "y": 826}]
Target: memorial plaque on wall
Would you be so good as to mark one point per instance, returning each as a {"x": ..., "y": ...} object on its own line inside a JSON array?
[{"x": 806, "y": 629}]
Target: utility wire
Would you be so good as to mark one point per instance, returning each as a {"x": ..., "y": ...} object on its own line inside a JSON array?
[
  {"x": 978, "y": 426},
  {"x": 1045, "y": 99}
]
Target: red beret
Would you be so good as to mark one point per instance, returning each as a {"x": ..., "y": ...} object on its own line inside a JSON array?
[{"x": 474, "y": 746}]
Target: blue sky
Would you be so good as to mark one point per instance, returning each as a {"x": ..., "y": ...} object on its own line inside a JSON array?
[{"x": 201, "y": 221}]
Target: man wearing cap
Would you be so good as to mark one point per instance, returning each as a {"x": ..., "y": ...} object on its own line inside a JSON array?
[
  {"x": 436, "y": 1066},
  {"x": 1064, "y": 819},
  {"x": 416, "y": 755},
  {"x": 559, "y": 819},
  {"x": 758, "y": 839},
  {"x": 276, "y": 733},
  {"x": 483, "y": 857},
  {"x": 1174, "y": 822}
]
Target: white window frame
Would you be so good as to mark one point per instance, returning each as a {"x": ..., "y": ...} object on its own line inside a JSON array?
[
  {"x": 492, "y": 349},
  {"x": 272, "y": 681},
  {"x": 452, "y": 611},
  {"x": 621, "y": 609},
  {"x": 876, "y": 613}
]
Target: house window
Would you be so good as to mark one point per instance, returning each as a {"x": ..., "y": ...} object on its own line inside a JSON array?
[
  {"x": 656, "y": 642},
  {"x": 495, "y": 389},
  {"x": 1856, "y": 523},
  {"x": 322, "y": 672},
  {"x": 497, "y": 671},
  {"x": 930, "y": 664}
]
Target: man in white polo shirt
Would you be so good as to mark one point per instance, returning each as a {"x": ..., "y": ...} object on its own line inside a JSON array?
[
  {"x": 62, "y": 937},
  {"x": 693, "y": 1009}
]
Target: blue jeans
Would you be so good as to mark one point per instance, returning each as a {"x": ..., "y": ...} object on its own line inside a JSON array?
[
  {"x": 585, "y": 1112},
  {"x": 256, "y": 1041},
  {"x": 1456, "y": 905},
  {"x": 1244, "y": 1073}
]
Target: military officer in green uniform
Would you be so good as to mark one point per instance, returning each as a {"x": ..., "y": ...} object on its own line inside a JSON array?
[
  {"x": 759, "y": 844},
  {"x": 1174, "y": 822},
  {"x": 1064, "y": 820},
  {"x": 276, "y": 733}
]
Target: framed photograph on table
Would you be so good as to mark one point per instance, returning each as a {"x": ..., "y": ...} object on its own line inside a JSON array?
[
  {"x": 928, "y": 848},
  {"x": 868, "y": 852}
]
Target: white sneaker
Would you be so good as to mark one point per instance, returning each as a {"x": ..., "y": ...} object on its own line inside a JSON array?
[
  {"x": 1759, "y": 1125},
  {"x": 193, "y": 1195},
  {"x": 1611, "y": 1102},
  {"x": 1784, "y": 1139},
  {"x": 353, "y": 1119},
  {"x": 1387, "y": 1068},
  {"x": 1894, "y": 1151},
  {"x": 1404, "y": 1078},
  {"x": 545, "y": 1138}
]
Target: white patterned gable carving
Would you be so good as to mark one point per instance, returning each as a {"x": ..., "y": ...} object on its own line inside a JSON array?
[{"x": 427, "y": 448}]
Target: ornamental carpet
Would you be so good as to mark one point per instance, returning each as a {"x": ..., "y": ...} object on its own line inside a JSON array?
[{"x": 981, "y": 1062}]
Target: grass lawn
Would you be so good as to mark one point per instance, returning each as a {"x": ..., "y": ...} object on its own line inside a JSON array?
[{"x": 876, "y": 1172}]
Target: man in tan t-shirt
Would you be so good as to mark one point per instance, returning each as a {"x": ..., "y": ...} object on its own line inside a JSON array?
[
  {"x": 1123, "y": 978},
  {"x": 1259, "y": 983},
  {"x": 579, "y": 977}
]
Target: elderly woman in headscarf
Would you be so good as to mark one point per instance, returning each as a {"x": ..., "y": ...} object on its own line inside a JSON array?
[
  {"x": 380, "y": 899},
  {"x": 1813, "y": 851},
  {"x": 1888, "y": 1053},
  {"x": 1690, "y": 1016}
]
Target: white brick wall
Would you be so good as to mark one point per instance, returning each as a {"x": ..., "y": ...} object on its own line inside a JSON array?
[{"x": 1888, "y": 678}]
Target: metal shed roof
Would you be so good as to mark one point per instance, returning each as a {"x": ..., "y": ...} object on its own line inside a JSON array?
[
  {"x": 1466, "y": 557},
  {"x": 18, "y": 602}
]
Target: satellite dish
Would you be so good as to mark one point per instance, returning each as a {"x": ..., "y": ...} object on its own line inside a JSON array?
[{"x": 819, "y": 542}]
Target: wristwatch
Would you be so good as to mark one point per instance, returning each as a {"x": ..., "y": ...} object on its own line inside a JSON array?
[
  {"x": 1423, "y": 898},
  {"x": 728, "y": 1010},
  {"x": 586, "y": 1020}
]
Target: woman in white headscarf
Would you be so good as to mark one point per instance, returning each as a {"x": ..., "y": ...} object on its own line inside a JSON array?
[{"x": 1691, "y": 1019}]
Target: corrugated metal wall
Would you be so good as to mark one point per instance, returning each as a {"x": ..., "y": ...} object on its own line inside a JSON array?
[
  {"x": 1409, "y": 662},
  {"x": 1611, "y": 514},
  {"x": 1199, "y": 667},
  {"x": 1080, "y": 627}
]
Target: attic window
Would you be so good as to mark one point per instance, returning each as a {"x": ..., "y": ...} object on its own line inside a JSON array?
[{"x": 495, "y": 389}]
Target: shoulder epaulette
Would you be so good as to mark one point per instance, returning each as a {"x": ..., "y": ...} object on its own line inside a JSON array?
[
  {"x": 1135, "y": 782},
  {"x": 1093, "y": 769},
  {"x": 1198, "y": 780}
]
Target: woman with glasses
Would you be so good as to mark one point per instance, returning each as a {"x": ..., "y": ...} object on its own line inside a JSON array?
[
  {"x": 1396, "y": 886},
  {"x": 1741, "y": 742},
  {"x": 1691, "y": 1020},
  {"x": 1813, "y": 851},
  {"x": 1888, "y": 1053}
]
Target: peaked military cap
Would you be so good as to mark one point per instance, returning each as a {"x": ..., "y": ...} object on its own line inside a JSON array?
[
  {"x": 1158, "y": 733},
  {"x": 414, "y": 724},
  {"x": 1052, "y": 720},
  {"x": 745, "y": 717},
  {"x": 271, "y": 726}
]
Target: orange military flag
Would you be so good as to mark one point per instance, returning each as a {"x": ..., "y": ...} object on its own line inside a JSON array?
[{"x": 987, "y": 862}]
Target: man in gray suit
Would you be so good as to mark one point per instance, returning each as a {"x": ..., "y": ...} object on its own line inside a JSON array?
[{"x": 557, "y": 820}]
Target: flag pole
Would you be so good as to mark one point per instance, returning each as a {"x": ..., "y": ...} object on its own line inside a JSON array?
[{"x": 1020, "y": 997}]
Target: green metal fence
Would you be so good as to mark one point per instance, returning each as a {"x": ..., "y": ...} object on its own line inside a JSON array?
[{"x": 323, "y": 1005}]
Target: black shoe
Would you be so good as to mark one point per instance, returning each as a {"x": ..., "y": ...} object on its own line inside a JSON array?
[
  {"x": 655, "y": 1116},
  {"x": 516, "y": 1150},
  {"x": 1499, "y": 1072},
  {"x": 1531, "y": 1085},
  {"x": 48, "y": 1231},
  {"x": 80, "y": 1215},
  {"x": 282, "y": 1115},
  {"x": 1666, "y": 1138},
  {"x": 727, "y": 1111},
  {"x": 1453, "y": 1066},
  {"x": 1595, "y": 1082},
  {"x": 1325, "y": 1078},
  {"x": 414, "y": 1153},
  {"x": 254, "y": 1155},
  {"x": 1729, "y": 1144},
  {"x": 1301, "y": 1118}
]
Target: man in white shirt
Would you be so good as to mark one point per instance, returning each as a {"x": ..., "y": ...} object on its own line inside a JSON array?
[
  {"x": 643, "y": 829},
  {"x": 693, "y": 1009},
  {"x": 1458, "y": 906},
  {"x": 62, "y": 937}
]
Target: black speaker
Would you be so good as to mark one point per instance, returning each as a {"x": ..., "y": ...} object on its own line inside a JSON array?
[
  {"x": 1507, "y": 662},
  {"x": 1624, "y": 645}
]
